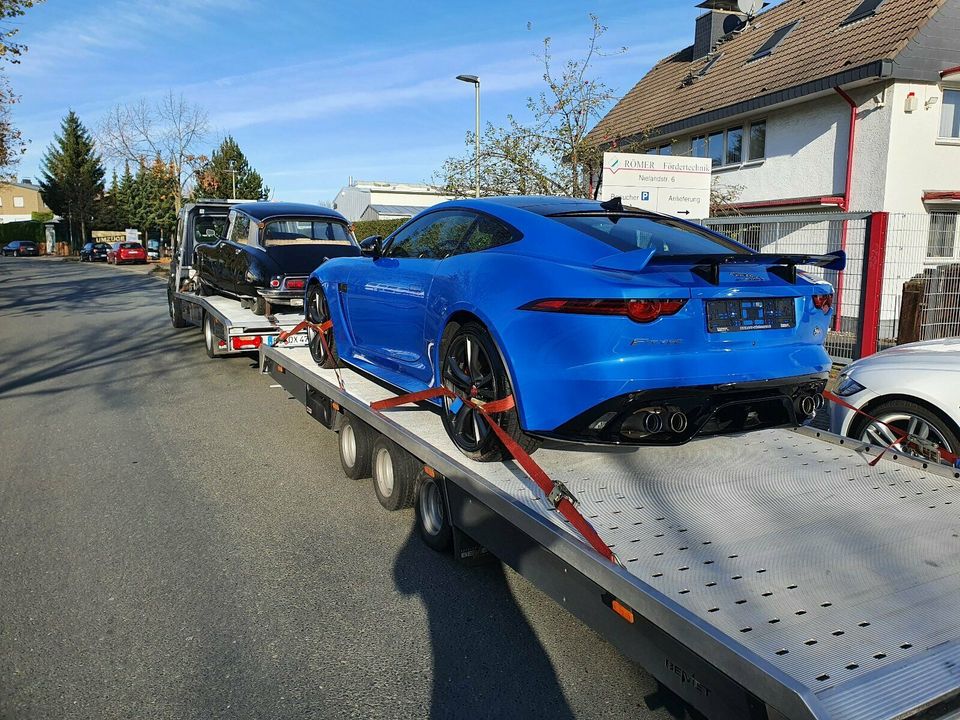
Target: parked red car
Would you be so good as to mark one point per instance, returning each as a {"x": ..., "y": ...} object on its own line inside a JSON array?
[{"x": 122, "y": 252}]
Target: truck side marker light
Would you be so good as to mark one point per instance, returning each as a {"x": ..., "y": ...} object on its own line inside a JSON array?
[{"x": 430, "y": 472}]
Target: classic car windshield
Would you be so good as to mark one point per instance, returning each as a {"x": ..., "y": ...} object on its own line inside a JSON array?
[
  {"x": 636, "y": 232},
  {"x": 306, "y": 232}
]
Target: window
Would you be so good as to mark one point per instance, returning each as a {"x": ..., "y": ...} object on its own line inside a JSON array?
[
  {"x": 240, "y": 229},
  {"x": 770, "y": 45},
  {"x": 862, "y": 11},
  {"x": 758, "y": 140},
  {"x": 129, "y": 246},
  {"x": 208, "y": 228},
  {"x": 666, "y": 149},
  {"x": 489, "y": 233},
  {"x": 942, "y": 235},
  {"x": 434, "y": 236},
  {"x": 306, "y": 231},
  {"x": 699, "y": 146},
  {"x": 950, "y": 114},
  {"x": 715, "y": 148},
  {"x": 634, "y": 232},
  {"x": 734, "y": 146},
  {"x": 17, "y": 201},
  {"x": 710, "y": 63}
]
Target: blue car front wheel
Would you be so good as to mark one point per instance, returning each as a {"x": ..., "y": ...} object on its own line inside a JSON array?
[{"x": 471, "y": 367}]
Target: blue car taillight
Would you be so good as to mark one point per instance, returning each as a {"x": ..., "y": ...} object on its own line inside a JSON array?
[
  {"x": 823, "y": 302},
  {"x": 642, "y": 311}
]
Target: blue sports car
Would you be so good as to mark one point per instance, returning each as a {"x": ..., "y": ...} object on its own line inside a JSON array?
[{"x": 606, "y": 323}]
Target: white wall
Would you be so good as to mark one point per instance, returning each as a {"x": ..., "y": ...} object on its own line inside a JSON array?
[{"x": 918, "y": 161}]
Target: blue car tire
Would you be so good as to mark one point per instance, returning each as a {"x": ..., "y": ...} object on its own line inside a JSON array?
[
  {"x": 471, "y": 366},
  {"x": 317, "y": 311}
]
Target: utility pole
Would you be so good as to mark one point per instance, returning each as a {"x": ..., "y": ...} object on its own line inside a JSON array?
[
  {"x": 233, "y": 178},
  {"x": 475, "y": 81}
]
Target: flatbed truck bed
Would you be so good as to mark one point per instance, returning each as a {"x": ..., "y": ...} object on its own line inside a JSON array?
[
  {"x": 234, "y": 329},
  {"x": 771, "y": 575}
]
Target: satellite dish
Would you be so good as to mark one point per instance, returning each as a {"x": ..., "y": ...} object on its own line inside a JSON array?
[
  {"x": 749, "y": 7},
  {"x": 732, "y": 23}
]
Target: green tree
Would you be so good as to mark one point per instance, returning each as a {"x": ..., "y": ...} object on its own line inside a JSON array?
[
  {"x": 72, "y": 177},
  {"x": 229, "y": 169},
  {"x": 151, "y": 198}
]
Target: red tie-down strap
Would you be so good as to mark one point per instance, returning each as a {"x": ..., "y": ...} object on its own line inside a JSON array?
[
  {"x": 556, "y": 492},
  {"x": 904, "y": 439},
  {"x": 321, "y": 331}
]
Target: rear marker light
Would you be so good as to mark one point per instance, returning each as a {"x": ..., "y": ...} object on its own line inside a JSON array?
[
  {"x": 642, "y": 311},
  {"x": 823, "y": 302},
  {"x": 247, "y": 342},
  {"x": 275, "y": 283}
]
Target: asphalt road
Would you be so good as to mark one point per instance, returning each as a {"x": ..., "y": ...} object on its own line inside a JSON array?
[{"x": 177, "y": 541}]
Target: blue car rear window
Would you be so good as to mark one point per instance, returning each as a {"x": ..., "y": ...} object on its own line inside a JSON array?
[{"x": 637, "y": 232}]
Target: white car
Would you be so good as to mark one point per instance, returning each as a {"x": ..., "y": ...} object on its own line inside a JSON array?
[{"x": 914, "y": 388}]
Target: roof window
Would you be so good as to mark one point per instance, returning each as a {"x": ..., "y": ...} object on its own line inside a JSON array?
[
  {"x": 710, "y": 63},
  {"x": 773, "y": 41},
  {"x": 864, "y": 10}
]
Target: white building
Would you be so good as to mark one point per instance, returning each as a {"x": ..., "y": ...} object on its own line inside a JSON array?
[
  {"x": 773, "y": 102},
  {"x": 375, "y": 200}
]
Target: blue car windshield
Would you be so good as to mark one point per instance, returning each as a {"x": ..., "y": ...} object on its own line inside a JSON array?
[{"x": 639, "y": 232}]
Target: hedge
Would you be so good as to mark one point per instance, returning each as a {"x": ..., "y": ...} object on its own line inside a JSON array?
[
  {"x": 365, "y": 228},
  {"x": 24, "y": 230}
]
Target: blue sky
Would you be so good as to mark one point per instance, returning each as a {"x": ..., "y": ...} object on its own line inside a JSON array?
[{"x": 318, "y": 91}]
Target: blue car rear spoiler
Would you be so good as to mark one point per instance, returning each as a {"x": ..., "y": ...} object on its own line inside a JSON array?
[{"x": 708, "y": 266}]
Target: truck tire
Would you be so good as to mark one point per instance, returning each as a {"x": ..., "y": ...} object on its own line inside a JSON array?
[
  {"x": 433, "y": 517},
  {"x": 355, "y": 443},
  {"x": 209, "y": 338},
  {"x": 394, "y": 473},
  {"x": 176, "y": 311}
]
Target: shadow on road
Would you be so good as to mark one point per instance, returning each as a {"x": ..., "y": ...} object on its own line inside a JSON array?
[{"x": 487, "y": 660}]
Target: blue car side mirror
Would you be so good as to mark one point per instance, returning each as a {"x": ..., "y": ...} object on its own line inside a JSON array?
[{"x": 372, "y": 246}]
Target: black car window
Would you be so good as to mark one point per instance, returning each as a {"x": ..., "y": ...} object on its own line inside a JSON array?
[
  {"x": 435, "y": 236},
  {"x": 208, "y": 228},
  {"x": 636, "y": 232},
  {"x": 101, "y": 246},
  {"x": 240, "y": 229},
  {"x": 88, "y": 246},
  {"x": 489, "y": 233},
  {"x": 306, "y": 231}
]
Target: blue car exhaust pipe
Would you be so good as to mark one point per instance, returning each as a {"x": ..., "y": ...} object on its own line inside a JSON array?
[{"x": 678, "y": 422}]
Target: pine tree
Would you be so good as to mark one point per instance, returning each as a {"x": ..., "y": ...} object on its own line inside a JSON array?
[
  {"x": 106, "y": 214},
  {"x": 227, "y": 170},
  {"x": 72, "y": 177}
]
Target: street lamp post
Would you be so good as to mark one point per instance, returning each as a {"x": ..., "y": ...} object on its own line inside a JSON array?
[
  {"x": 475, "y": 81},
  {"x": 233, "y": 177}
]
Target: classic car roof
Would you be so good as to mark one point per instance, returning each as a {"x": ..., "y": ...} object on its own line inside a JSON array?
[{"x": 264, "y": 210}]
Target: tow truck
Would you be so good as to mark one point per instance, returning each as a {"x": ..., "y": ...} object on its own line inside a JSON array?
[
  {"x": 228, "y": 327},
  {"x": 775, "y": 575}
]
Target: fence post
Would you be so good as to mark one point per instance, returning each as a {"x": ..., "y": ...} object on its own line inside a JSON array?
[{"x": 874, "y": 258}]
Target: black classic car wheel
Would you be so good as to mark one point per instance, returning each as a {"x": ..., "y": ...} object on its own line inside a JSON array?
[
  {"x": 471, "y": 367},
  {"x": 317, "y": 311}
]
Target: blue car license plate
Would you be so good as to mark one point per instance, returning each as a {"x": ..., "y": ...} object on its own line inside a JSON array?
[{"x": 750, "y": 314}]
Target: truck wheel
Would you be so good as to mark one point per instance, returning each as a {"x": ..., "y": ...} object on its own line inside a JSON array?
[
  {"x": 355, "y": 442},
  {"x": 394, "y": 474},
  {"x": 176, "y": 311},
  {"x": 209, "y": 338},
  {"x": 433, "y": 519}
]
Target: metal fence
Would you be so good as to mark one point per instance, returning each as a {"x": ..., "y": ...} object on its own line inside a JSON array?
[{"x": 917, "y": 284}]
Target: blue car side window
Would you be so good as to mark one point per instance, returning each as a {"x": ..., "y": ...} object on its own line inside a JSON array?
[{"x": 434, "y": 236}]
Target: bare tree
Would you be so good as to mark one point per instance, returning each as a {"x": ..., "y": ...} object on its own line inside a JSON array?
[
  {"x": 170, "y": 128},
  {"x": 549, "y": 154}
]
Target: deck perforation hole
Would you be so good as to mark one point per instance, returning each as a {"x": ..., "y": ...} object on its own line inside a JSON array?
[
  {"x": 906, "y": 646},
  {"x": 823, "y": 677},
  {"x": 683, "y": 592},
  {"x": 740, "y": 602},
  {"x": 715, "y": 609},
  {"x": 683, "y": 568},
  {"x": 852, "y": 666},
  {"x": 746, "y": 629},
  {"x": 773, "y": 621},
  {"x": 782, "y": 651},
  {"x": 863, "y": 624},
  {"x": 658, "y": 575},
  {"x": 761, "y": 570},
  {"x": 708, "y": 562},
  {"x": 791, "y": 587},
  {"x": 737, "y": 577},
  {"x": 879, "y": 656},
  {"x": 800, "y": 612},
  {"x": 657, "y": 554},
  {"x": 811, "y": 641},
  {"x": 826, "y": 604},
  {"x": 766, "y": 594},
  {"x": 710, "y": 584},
  {"x": 731, "y": 557},
  {"x": 838, "y": 633}
]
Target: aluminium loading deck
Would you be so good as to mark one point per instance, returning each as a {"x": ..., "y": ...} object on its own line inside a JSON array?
[{"x": 825, "y": 588}]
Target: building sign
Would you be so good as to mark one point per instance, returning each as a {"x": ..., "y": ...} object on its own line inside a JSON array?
[
  {"x": 131, "y": 235},
  {"x": 678, "y": 186}
]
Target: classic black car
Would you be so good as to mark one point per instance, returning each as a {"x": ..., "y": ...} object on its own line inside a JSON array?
[
  {"x": 20, "y": 248},
  {"x": 269, "y": 250},
  {"x": 94, "y": 252}
]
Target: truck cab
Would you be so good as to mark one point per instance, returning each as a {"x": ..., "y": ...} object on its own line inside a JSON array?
[{"x": 203, "y": 221}]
